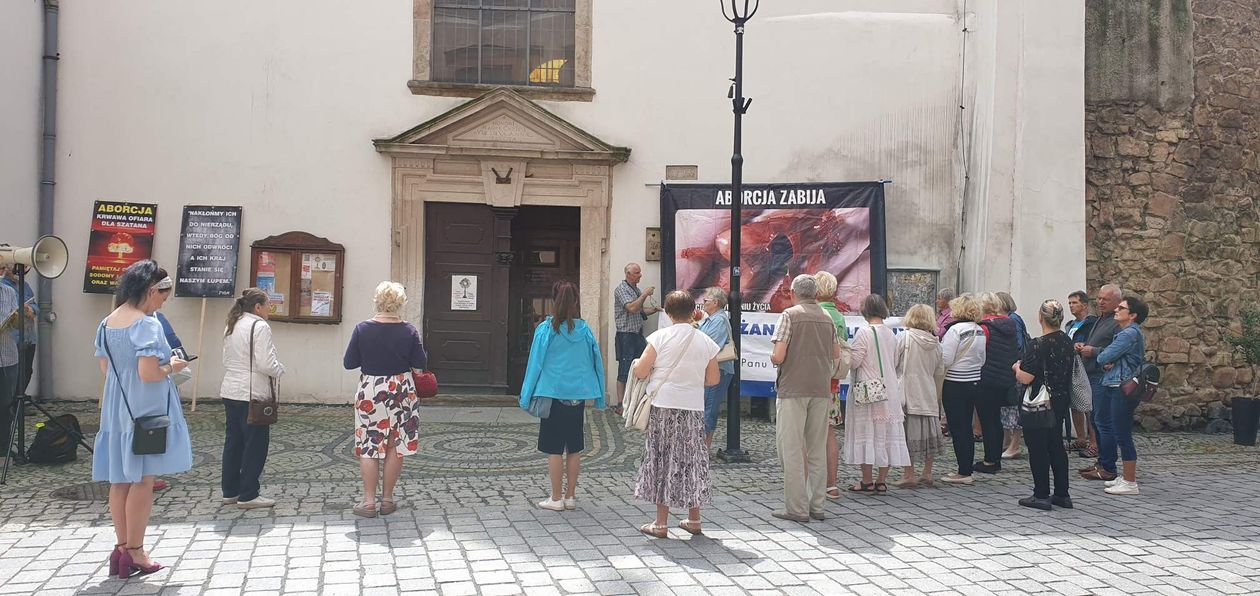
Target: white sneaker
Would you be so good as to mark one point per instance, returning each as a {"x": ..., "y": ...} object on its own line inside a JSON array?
[
  {"x": 229, "y": 500},
  {"x": 570, "y": 504},
  {"x": 952, "y": 479},
  {"x": 1111, "y": 483},
  {"x": 551, "y": 504},
  {"x": 1123, "y": 487},
  {"x": 258, "y": 502}
]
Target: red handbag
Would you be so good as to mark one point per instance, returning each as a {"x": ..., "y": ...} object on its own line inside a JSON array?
[{"x": 426, "y": 384}]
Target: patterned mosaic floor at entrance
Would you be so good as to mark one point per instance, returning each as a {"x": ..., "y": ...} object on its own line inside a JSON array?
[{"x": 313, "y": 443}]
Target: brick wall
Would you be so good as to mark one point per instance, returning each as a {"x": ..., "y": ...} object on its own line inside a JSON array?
[{"x": 1172, "y": 194}]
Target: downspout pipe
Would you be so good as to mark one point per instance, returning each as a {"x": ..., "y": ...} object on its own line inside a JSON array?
[{"x": 47, "y": 182}]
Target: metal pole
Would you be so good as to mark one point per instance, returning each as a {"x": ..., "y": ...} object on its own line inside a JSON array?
[
  {"x": 47, "y": 182},
  {"x": 733, "y": 451}
]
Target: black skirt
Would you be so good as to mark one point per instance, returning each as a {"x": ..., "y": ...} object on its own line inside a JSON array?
[{"x": 564, "y": 430}]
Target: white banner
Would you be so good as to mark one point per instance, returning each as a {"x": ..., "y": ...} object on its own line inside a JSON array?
[{"x": 757, "y": 374}]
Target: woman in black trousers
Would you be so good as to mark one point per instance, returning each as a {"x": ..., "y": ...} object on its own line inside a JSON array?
[
  {"x": 963, "y": 351},
  {"x": 1050, "y": 363},
  {"x": 997, "y": 378}
]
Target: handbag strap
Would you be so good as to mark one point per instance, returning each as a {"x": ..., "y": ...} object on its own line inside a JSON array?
[
  {"x": 878, "y": 356},
  {"x": 110, "y": 357},
  {"x": 686, "y": 344}
]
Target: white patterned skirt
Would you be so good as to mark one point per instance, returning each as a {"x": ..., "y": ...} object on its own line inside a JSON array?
[
  {"x": 674, "y": 470},
  {"x": 880, "y": 444}
]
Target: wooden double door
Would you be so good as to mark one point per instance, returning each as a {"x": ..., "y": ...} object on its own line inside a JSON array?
[{"x": 488, "y": 279}]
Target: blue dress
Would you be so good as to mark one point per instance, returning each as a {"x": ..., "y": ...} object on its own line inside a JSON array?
[{"x": 113, "y": 459}]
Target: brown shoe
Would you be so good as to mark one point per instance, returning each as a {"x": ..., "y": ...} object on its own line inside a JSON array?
[
  {"x": 1087, "y": 468},
  {"x": 1097, "y": 473}
]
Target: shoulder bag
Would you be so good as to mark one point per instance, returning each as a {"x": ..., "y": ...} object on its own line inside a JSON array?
[
  {"x": 728, "y": 352},
  {"x": 1036, "y": 411},
  {"x": 872, "y": 391},
  {"x": 149, "y": 433},
  {"x": 262, "y": 412},
  {"x": 638, "y": 401}
]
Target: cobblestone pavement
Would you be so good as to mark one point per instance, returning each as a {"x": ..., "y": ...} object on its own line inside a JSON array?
[{"x": 468, "y": 525}]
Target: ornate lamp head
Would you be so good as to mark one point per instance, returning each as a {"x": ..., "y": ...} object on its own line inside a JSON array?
[{"x": 739, "y": 14}]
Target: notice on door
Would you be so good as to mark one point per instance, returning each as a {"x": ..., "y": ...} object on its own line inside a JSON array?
[{"x": 463, "y": 292}]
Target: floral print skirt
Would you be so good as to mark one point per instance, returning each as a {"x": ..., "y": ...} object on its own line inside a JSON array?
[
  {"x": 674, "y": 470},
  {"x": 386, "y": 411}
]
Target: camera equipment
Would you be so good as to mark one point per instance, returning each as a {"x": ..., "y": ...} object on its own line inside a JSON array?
[{"x": 48, "y": 257}]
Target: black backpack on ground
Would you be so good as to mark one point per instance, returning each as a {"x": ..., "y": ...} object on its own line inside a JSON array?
[{"x": 52, "y": 444}]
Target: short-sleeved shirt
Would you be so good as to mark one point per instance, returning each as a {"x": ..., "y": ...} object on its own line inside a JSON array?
[
  {"x": 8, "y": 344},
  {"x": 627, "y": 322},
  {"x": 1050, "y": 361},
  {"x": 685, "y": 388}
]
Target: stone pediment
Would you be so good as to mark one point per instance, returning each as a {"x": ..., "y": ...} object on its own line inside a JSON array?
[{"x": 501, "y": 123}]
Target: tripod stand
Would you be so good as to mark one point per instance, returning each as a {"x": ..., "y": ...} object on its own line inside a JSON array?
[{"x": 17, "y": 429}]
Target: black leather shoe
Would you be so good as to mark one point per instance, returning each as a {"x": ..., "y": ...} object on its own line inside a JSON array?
[
  {"x": 1064, "y": 502},
  {"x": 984, "y": 468},
  {"x": 1035, "y": 503}
]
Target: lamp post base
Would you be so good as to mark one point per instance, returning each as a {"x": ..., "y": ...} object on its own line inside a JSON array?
[{"x": 736, "y": 456}]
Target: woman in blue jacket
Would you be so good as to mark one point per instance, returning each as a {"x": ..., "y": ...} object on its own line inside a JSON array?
[
  {"x": 565, "y": 367},
  {"x": 1114, "y": 417}
]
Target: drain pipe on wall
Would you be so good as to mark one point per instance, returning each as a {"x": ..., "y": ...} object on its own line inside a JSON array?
[{"x": 47, "y": 180}]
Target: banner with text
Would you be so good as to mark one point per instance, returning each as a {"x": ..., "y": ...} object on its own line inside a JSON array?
[
  {"x": 122, "y": 233},
  {"x": 209, "y": 243},
  {"x": 757, "y": 374},
  {"x": 787, "y": 229}
]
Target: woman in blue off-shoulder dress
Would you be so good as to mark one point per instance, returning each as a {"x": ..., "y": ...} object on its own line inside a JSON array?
[{"x": 136, "y": 361}]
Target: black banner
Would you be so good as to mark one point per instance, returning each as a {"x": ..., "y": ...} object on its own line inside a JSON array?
[
  {"x": 209, "y": 240},
  {"x": 787, "y": 229}
]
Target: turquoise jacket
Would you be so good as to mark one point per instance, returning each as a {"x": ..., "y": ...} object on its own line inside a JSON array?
[{"x": 564, "y": 365}]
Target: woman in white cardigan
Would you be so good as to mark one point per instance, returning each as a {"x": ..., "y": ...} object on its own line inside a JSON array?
[
  {"x": 920, "y": 369},
  {"x": 245, "y": 445}
]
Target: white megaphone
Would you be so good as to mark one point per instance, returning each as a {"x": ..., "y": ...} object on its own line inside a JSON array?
[{"x": 48, "y": 257}]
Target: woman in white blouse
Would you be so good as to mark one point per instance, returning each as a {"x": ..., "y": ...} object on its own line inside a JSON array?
[
  {"x": 247, "y": 372},
  {"x": 674, "y": 471}
]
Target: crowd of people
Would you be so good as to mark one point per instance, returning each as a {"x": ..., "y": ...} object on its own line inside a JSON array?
[{"x": 897, "y": 393}]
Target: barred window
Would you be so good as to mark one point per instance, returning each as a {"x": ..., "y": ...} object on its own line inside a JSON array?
[{"x": 504, "y": 42}]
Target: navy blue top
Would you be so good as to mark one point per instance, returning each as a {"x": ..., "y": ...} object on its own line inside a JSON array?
[
  {"x": 385, "y": 349},
  {"x": 168, "y": 331}
]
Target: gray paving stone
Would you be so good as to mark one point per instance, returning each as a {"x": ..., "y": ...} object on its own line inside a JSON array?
[{"x": 469, "y": 526}]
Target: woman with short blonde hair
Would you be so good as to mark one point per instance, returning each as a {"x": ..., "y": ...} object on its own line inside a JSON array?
[
  {"x": 386, "y": 350},
  {"x": 390, "y": 297},
  {"x": 920, "y": 369}
]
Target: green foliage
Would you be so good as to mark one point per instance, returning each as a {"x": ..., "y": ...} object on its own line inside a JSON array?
[{"x": 1248, "y": 342}]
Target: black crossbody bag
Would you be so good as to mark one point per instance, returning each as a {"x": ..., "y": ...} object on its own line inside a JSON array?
[{"x": 149, "y": 437}]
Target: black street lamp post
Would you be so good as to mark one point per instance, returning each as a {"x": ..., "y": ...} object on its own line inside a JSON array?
[{"x": 737, "y": 16}]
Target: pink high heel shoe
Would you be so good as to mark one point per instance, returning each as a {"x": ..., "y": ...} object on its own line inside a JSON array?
[
  {"x": 127, "y": 566},
  {"x": 114, "y": 556}
]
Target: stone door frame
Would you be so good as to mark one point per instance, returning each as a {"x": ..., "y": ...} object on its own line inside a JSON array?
[{"x": 503, "y": 151}]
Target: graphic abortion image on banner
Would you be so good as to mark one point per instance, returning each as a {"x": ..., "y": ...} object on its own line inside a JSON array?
[
  {"x": 209, "y": 240},
  {"x": 122, "y": 233},
  {"x": 788, "y": 229}
]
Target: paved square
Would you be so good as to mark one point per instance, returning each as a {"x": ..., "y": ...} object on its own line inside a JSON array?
[{"x": 468, "y": 524}]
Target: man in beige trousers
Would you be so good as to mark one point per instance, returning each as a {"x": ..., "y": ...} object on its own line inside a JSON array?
[{"x": 805, "y": 350}]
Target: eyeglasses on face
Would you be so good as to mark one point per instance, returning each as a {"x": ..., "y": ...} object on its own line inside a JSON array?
[{"x": 1121, "y": 307}]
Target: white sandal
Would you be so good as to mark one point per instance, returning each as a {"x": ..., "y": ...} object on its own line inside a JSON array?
[{"x": 835, "y": 496}]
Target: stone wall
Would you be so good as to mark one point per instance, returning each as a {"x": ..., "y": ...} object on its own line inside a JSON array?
[{"x": 1172, "y": 196}]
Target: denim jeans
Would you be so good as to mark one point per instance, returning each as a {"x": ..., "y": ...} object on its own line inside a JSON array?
[
  {"x": 959, "y": 399},
  {"x": 713, "y": 397},
  {"x": 1115, "y": 428},
  {"x": 244, "y": 452},
  {"x": 1096, "y": 391}
]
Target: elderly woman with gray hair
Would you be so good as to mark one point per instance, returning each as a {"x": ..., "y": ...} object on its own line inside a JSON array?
[
  {"x": 716, "y": 325},
  {"x": 385, "y": 349}
]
